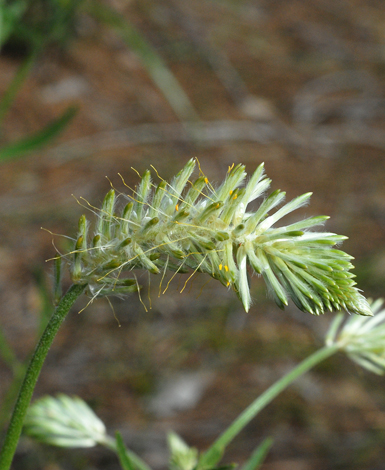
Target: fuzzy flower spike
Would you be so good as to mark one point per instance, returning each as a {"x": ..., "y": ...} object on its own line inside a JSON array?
[{"x": 189, "y": 225}]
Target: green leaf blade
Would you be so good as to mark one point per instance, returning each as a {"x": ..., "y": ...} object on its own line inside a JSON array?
[{"x": 39, "y": 139}]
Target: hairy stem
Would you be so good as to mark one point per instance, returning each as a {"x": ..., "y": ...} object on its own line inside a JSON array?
[{"x": 26, "y": 390}]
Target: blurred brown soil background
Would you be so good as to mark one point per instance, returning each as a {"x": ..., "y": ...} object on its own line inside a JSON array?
[{"x": 296, "y": 84}]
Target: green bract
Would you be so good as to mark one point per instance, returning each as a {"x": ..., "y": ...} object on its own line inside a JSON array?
[
  {"x": 189, "y": 224},
  {"x": 182, "y": 457}
]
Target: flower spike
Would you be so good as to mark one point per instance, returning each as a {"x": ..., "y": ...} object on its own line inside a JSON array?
[{"x": 190, "y": 224}]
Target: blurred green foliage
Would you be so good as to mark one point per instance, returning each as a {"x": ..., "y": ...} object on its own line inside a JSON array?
[
  {"x": 29, "y": 27},
  {"x": 28, "y": 24}
]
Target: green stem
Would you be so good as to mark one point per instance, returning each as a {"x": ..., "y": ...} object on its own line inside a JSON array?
[
  {"x": 12, "y": 437},
  {"x": 215, "y": 452}
]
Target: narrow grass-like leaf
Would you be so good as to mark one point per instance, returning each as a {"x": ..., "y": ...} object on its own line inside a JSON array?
[
  {"x": 155, "y": 65},
  {"x": 258, "y": 456},
  {"x": 10, "y": 15},
  {"x": 39, "y": 139},
  {"x": 16, "y": 83},
  {"x": 124, "y": 459}
]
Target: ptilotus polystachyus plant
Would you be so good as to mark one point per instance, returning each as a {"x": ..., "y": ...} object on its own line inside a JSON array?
[{"x": 188, "y": 225}]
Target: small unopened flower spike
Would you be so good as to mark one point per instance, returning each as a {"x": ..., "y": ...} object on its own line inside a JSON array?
[
  {"x": 188, "y": 224},
  {"x": 65, "y": 422},
  {"x": 361, "y": 338}
]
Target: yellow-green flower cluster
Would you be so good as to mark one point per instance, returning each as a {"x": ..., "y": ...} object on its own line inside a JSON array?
[{"x": 188, "y": 224}]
